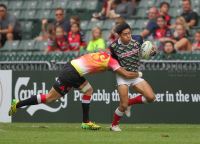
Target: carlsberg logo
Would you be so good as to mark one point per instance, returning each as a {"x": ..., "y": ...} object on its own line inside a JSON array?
[{"x": 27, "y": 93}]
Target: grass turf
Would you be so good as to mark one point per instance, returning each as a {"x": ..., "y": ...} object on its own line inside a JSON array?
[{"x": 55, "y": 133}]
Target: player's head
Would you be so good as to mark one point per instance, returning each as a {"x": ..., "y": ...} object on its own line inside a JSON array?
[
  {"x": 60, "y": 32},
  {"x": 169, "y": 47},
  {"x": 197, "y": 36},
  {"x": 124, "y": 32},
  {"x": 164, "y": 7},
  {"x": 60, "y": 15},
  {"x": 3, "y": 10},
  {"x": 96, "y": 33},
  {"x": 186, "y": 5},
  {"x": 74, "y": 19},
  {"x": 75, "y": 27},
  {"x": 180, "y": 29},
  {"x": 160, "y": 20}
]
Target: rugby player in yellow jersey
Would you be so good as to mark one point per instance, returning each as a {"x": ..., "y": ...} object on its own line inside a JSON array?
[{"x": 72, "y": 76}]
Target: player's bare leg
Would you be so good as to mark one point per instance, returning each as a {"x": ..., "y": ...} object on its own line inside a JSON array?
[
  {"x": 87, "y": 90},
  {"x": 34, "y": 100},
  {"x": 123, "y": 93},
  {"x": 147, "y": 96}
]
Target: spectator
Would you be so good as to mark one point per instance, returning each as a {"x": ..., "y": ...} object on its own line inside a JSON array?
[
  {"x": 147, "y": 32},
  {"x": 190, "y": 16},
  {"x": 76, "y": 19},
  {"x": 60, "y": 21},
  {"x": 169, "y": 47},
  {"x": 164, "y": 8},
  {"x": 57, "y": 39},
  {"x": 10, "y": 27},
  {"x": 74, "y": 38},
  {"x": 97, "y": 43},
  {"x": 196, "y": 44},
  {"x": 113, "y": 35},
  {"x": 181, "y": 42},
  {"x": 180, "y": 20},
  {"x": 168, "y": 50},
  {"x": 123, "y": 9},
  {"x": 161, "y": 30},
  {"x": 104, "y": 14},
  {"x": 51, "y": 38},
  {"x": 135, "y": 2}
]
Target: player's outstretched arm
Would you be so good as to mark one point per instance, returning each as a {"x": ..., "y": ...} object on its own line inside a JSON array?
[{"x": 127, "y": 74}]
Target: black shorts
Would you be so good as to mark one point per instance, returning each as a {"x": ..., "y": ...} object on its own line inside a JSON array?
[
  {"x": 67, "y": 79},
  {"x": 16, "y": 36}
]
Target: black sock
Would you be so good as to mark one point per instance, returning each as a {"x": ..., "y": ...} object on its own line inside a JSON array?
[
  {"x": 86, "y": 107},
  {"x": 30, "y": 101}
]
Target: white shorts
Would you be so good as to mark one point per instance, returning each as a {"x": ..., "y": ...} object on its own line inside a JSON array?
[{"x": 130, "y": 82}]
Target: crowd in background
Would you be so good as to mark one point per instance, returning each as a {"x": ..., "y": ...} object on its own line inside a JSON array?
[{"x": 66, "y": 35}]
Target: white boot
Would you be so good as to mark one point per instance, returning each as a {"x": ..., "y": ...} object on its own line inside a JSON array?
[
  {"x": 115, "y": 128},
  {"x": 128, "y": 111}
]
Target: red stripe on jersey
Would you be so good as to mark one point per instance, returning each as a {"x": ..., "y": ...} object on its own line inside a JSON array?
[{"x": 62, "y": 88}]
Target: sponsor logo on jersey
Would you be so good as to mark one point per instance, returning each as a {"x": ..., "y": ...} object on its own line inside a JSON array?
[{"x": 128, "y": 53}]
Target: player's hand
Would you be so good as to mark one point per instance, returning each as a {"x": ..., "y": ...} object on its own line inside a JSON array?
[
  {"x": 153, "y": 51},
  {"x": 44, "y": 21}
]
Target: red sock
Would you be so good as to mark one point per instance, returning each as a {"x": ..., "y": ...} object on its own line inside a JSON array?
[
  {"x": 135, "y": 100},
  {"x": 41, "y": 99},
  {"x": 117, "y": 116}
]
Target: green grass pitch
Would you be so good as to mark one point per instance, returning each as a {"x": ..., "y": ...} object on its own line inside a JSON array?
[{"x": 56, "y": 133}]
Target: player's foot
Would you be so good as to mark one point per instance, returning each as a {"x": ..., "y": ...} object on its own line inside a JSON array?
[
  {"x": 13, "y": 108},
  {"x": 115, "y": 128},
  {"x": 128, "y": 111},
  {"x": 90, "y": 126}
]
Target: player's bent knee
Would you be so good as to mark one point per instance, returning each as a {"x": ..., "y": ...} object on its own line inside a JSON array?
[
  {"x": 151, "y": 98},
  {"x": 87, "y": 90}
]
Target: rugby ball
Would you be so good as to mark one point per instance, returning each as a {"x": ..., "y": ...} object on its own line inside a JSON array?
[{"x": 145, "y": 49}]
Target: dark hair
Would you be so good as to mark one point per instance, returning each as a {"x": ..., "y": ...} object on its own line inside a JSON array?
[
  {"x": 75, "y": 24},
  {"x": 76, "y": 18},
  {"x": 3, "y": 5},
  {"x": 121, "y": 27},
  {"x": 59, "y": 8},
  {"x": 187, "y": 0},
  {"x": 160, "y": 16},
  {"x": 164, "y": 3},
  {"x": 169, "y": 42}
]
